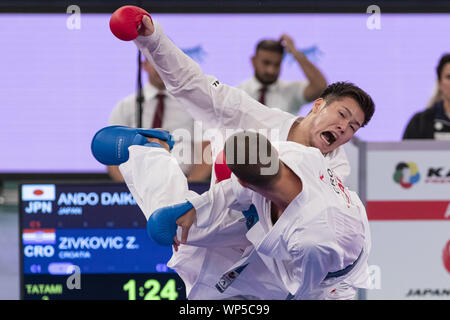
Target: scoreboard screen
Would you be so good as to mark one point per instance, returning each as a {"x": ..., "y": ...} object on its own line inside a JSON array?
[{"x": 89, "y": 241}]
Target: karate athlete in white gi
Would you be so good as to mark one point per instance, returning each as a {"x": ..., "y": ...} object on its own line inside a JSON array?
[
  {"x": 312, "y": 234},
  {"x": 156, "y": 181},
  {"x": 226, "y": 107},
  {"x": 311, "y": 241}
]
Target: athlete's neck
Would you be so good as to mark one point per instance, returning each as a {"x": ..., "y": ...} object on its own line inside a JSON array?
[
  {"x": 297, "y": 133},
  {"x": 283, "y": 190}
]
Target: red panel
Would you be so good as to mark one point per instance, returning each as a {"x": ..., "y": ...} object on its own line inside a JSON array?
[{"x": 408, "y": 210}]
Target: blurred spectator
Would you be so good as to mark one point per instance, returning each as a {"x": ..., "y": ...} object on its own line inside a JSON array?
[
  {"x": 434, "y": 122},
  {"x": 435, "y": 97},
  {"x": 275, "y": 93},
  {"x": 161, "y": 110}
]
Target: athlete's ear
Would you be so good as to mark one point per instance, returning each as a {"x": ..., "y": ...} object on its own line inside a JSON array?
[{"x": 317, "y": 105}]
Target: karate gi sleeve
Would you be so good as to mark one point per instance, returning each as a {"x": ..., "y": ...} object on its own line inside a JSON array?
[
  {"x": 154, "y": 178},
  {"x": 227, "y": 194},
  {"x": 216, "y": 224},
  {"x": 206, "y": 99}
]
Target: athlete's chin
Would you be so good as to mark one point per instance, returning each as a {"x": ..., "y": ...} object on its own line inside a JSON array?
[{"x": 327, "y": 148}]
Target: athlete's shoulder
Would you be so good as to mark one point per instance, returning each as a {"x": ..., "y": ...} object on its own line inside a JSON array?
[{"x": 287, "y": 147}]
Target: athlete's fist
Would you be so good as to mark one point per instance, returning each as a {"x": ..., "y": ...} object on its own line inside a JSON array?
[
  {"x": 146, "y": 28},
  {"x": 161, "y": 142},
  {"x": 127, "y": 23}
]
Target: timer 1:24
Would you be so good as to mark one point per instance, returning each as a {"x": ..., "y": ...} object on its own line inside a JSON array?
[{"x": 151, "y": 290}]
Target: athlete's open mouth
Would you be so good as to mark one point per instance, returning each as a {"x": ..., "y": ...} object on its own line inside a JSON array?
[{"x": 329, "y": 137}]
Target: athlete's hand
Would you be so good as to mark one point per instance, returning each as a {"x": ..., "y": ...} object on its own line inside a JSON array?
[
  {"x": 146, "y": 28},
  {"x": 127, "y": 20},
  {"x": 185, "y": 222},
  {"x": 161, "y": 142}
]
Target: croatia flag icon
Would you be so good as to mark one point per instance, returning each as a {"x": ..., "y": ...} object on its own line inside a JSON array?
[{"x": 39, "y": 236}]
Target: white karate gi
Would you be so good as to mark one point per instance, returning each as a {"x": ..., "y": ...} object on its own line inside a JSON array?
[
  {"x": 156, "y": 180},
  {"x": 323, "y": 230},
  {"x": 219, "y": 106}
]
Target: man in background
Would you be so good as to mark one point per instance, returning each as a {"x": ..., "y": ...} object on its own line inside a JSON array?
[
  {"x": 267, "y": 88},
  {"x": 161, "y": 110}
]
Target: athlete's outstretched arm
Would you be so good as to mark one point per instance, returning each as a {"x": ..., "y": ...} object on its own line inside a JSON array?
[
  {"x": 205, "y": 98},
  {"x": 156, "y": 181}
]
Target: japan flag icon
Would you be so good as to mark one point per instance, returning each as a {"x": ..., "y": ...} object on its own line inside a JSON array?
[{"x": 37, "y": 192}]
